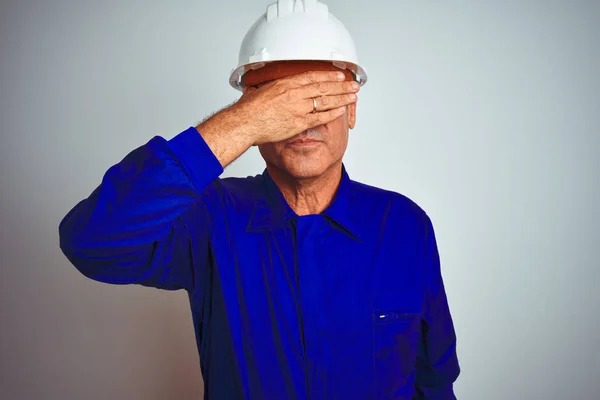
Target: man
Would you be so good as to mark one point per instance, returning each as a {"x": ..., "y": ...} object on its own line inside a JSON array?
[{"x": 303, "y": 283}]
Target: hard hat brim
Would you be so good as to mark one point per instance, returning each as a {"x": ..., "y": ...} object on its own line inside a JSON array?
[{"x": 236, "y": 77}]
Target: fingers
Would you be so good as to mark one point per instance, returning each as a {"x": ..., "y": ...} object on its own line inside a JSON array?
[
  {"x": 309, "y": 77},
  {"x": 321, "y": 83},
  {"x": 325, "y": 103},
  {"x": 324, "y": 117},
  {"x": 326, "y": 89},
  {"x": 247, "y": 91}
]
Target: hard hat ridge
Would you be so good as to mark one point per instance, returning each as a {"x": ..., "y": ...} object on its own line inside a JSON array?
[{"x": 284, "y": 8}]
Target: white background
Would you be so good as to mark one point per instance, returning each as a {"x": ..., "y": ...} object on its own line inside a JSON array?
[{"x": 485, "y": 113}]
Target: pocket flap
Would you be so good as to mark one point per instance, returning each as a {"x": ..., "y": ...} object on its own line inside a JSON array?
[{"x": 386, "y": 306}]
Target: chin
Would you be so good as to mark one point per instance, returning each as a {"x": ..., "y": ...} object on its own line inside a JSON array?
[{"x": 305, "y": 170}]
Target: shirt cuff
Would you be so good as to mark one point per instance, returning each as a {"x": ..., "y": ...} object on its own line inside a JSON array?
[{"x": 196, "y": 157}]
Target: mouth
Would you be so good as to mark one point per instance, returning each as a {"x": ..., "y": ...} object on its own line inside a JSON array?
[{"x": 304, "y": 142}]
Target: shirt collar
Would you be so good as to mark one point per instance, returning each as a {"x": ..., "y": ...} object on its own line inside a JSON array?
[{"x": 272, "y": 210}]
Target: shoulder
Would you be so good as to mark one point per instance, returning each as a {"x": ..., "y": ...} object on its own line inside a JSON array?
[
  {"x": 393, "y": 201},
  {"x": 233, "y": 192}
]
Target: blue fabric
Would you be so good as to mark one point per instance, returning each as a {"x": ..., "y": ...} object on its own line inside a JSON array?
[{"x": 347, "y": 304}]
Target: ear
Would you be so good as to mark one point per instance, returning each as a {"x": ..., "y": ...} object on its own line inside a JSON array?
[{"x": 352, "y": 115}]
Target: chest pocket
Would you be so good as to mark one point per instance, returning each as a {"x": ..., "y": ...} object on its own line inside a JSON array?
[{"x": 396, "y": 327}]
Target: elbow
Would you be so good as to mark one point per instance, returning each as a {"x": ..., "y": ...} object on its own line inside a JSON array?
[
  {"x": 113, "y": 265},
  {"x": 72, "y": 248},
  {"x": 79, "y": 256}
]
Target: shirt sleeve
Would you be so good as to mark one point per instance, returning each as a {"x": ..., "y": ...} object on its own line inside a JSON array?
[
  {"x": 437, "y": 362},
  {"x": 146, "y": 222}
]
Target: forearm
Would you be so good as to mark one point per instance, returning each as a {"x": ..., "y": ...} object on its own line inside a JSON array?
[{"x": 226, "y": 136}]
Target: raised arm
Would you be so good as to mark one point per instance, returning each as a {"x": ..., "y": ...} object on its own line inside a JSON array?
[{"x": 135, "y": 227}]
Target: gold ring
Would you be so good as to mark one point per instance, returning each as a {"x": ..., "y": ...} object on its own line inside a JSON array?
[{"x": 314, "y": 105}]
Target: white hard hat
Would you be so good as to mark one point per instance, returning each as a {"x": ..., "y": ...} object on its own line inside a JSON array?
[{"x": 297, "y": 30}]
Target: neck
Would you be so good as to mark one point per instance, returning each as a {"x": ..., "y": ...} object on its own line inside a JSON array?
[{"x": 307, "y": 195}]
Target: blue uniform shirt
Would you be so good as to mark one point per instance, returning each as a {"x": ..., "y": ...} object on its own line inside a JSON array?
[{"x": 346, "y": 304}]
